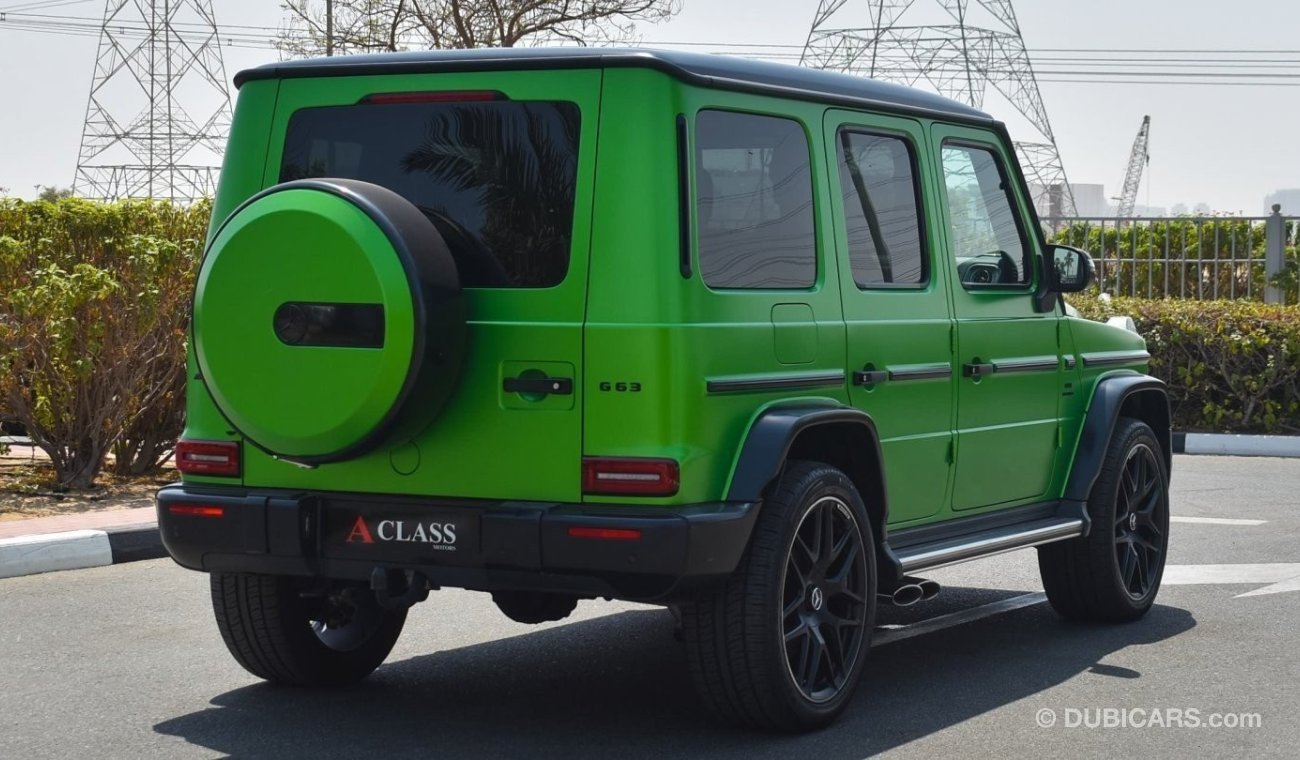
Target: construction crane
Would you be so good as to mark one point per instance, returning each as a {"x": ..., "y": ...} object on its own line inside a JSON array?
[{"x": 1138, "y": 158}]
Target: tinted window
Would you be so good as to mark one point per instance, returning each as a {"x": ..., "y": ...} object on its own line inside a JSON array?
[
  {"x": 754, "y": 202},
  {"x": 983, "y": 231},
  {"x": 496, "y": 178},
  {"x": 880, "y": 210}
]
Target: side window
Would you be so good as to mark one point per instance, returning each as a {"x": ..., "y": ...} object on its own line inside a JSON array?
[
  {"x": 881, "y": 215},
  {"x": 985, "y": 234},
  {"x": 754, "y": 202}
]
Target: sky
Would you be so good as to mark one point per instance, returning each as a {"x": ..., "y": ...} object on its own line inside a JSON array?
[{"x": 1227, "y": 146}]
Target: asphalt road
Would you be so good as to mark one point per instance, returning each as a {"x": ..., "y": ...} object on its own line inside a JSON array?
[{"x": 126, "y": 662}]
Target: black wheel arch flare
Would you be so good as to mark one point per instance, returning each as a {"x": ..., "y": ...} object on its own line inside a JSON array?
[
  {"x": 841, "y": 436},
  {"x": 1117, "y": 395}
]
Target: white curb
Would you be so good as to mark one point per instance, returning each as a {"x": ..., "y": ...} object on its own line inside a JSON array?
[
  {"x": 72, "y": 550},
  {"x": 1242, "y": 445}
]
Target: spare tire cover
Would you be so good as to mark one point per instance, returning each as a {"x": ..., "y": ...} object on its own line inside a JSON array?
[{"x": 321, "y": 308}]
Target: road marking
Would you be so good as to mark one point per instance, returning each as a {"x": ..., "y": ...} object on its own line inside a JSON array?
[
  {"x": 1215, "y": 520},
  {"x": 1284, "y": 576},
  {"x": 889, "y": 635}
]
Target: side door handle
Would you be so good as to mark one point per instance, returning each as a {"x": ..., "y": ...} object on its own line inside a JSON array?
[
  {"x": 541, "y": 386},
  {"x": 870, "y": 377},
  {"x": 978, "y": 369}
]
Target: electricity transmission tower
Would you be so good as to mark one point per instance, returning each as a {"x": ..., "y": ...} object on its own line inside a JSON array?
[
  {"x": 159, "y": 108},
  {"x": 1137, "y": 161},
  {"x": 909, "y": 41}
]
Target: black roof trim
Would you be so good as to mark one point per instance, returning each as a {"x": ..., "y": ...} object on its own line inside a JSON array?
[{"x": 721, "y": 72}]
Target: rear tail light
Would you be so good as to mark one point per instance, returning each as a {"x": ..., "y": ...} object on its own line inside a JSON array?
[
  {"x": 451, "y": 96},
  {"x": 637, "y": 477},
  {"x": 208, "y": 458},
  {"x": 196, "y": 510}
]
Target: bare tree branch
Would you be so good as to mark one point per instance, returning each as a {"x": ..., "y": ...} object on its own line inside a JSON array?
[{"x": 382, "y": 25}]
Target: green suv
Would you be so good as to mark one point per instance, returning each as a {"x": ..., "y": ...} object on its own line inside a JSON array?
[{"x": 757, "y": 343}]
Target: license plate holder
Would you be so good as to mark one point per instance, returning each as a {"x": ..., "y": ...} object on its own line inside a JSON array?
[{"x": 383, "y": 532}]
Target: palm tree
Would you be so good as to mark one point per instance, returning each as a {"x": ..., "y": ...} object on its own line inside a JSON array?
[{"x": 521, "y": 160}]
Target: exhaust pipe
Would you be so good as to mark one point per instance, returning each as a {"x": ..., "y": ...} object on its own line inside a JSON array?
[
  {"x": 910, "y": 591},
  {"x": 905, "y": 595},
  {"x": 929, "y": 589}
]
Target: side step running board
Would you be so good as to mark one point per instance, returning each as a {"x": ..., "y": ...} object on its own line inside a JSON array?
[{"x": 986, "y": 543}]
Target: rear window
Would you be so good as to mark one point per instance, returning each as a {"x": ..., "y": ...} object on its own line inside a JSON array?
[{"x": 498, "y": 179}]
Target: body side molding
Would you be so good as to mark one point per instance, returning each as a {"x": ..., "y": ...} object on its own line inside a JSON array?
[
  {"x": 774, "y": 382},
  {"x": 1115, "y": 358}
]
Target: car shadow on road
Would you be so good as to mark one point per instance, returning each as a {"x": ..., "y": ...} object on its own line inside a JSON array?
[{"x": 618, "y": 686}]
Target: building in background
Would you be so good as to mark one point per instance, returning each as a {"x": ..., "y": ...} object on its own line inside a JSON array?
[
  {"x": 1289, "y": 199},
  {"x": 1090, "y": 200}
]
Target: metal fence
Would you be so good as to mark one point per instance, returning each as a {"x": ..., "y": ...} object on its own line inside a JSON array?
[{"x": 1217, "y": 257}]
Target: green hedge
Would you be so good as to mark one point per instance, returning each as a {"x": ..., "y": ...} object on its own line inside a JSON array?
[
  {"x": 94, "y": 304},
  {"x": 1231, "y": 366}
]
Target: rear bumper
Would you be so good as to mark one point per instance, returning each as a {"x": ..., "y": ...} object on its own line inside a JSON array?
[{"x": 654, "y": 552}]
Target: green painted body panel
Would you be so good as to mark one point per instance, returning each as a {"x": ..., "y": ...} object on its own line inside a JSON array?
[
  {"x": 484, "y": 443},
  {"x": 1007, "y": 423},
  {"x": 900, "y": 330},
  {"x": 648, "y": 324},
  {"x": 642, "y": 342}
]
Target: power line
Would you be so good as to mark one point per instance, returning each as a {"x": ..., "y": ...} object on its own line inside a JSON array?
[
  {"x": 1140, "y": 70},
  {"x": 777, "y": 45},
  {"x": 41, "y": 5}
]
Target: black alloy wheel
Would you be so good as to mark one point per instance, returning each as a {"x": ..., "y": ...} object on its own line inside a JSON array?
[
  {"x": 824, "y": 608},
  {"x": 1139, "y": 505}
]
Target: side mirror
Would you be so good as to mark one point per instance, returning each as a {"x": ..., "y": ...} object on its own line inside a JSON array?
[{"x": 1070, "y": 269}]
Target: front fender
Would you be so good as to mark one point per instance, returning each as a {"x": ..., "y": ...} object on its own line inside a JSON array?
[{"x": 1116, "y": 395}]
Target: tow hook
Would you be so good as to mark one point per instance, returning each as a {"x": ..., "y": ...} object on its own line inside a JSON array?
[{"x": 398, "y": 589}]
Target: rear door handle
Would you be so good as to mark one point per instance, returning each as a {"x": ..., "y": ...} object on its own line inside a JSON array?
[
  {"x": 977, "y": 369},
  {"x": 541, "y": 386}
]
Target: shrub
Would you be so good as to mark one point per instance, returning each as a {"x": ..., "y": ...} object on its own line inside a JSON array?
[
  {"x": 1231, "y": 366},
  {"x": 93, "y": 315}
]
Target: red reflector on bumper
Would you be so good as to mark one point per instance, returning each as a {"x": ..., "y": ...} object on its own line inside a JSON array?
[
  {"x": 606, "y": 534},
  {"x": 639, "y": 477},
  {"x": 196, "y": 510}
]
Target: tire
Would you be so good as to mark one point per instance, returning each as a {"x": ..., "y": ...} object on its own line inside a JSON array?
[
  {"x": 747, "y": 638},
  {"x": 276, "y": 634},
  {"x": 1112, "y": 575}
]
